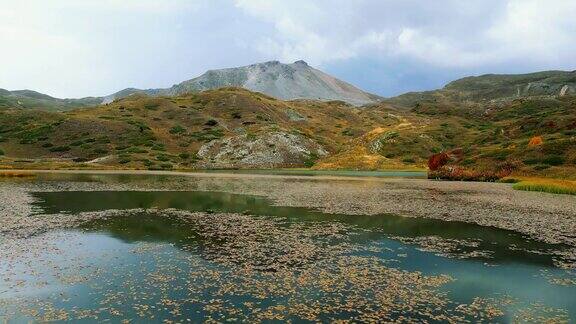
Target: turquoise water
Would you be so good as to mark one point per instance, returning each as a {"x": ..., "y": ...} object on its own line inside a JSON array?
[{"x": 264, "y": 259}]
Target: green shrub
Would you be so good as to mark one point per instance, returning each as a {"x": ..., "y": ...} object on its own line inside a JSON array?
[
  {"x": 211, "y": 122},
  {"x": 33, "y": 135},
  {"x": 1, "y": 152},
  {"x": 60, "y": 149},
  {"x": 311, "y": 160},
  {"x": 177, "y": 130},
  {"x": 554, "y": 160},
  {"x": 147, "y": 162},
  {"x": 184, "y": 156},
  {"x": 208, "y": 135},
  {"x": 152, "y": 106},
  {"x": 166, "y": 166},
  {"x": 163, "y": 157}
]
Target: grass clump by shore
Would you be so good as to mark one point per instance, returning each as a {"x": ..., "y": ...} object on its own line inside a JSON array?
[{"x": 555, "y": 186}]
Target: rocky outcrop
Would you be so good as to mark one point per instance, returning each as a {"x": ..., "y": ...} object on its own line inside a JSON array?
[{"x": 269, "y": 150}]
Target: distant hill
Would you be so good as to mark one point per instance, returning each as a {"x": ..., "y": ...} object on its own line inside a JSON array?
[
  {"x": 493, "y": 90},
  {"x": 282, "y": 81},
  {"x": 34, "y": 100}
]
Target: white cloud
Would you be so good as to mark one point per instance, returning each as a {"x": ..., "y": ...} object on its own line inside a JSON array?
[
  {"x": 32, "y": 52},
  {"x": 461, "y": 34},
  {"x": 298, "y": 34},
  {"x": 94, "y": 47},
  {"x": 74, "y": 48}
]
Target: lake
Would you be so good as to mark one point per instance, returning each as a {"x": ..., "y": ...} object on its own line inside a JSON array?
[{"x": 180, "y": 256}]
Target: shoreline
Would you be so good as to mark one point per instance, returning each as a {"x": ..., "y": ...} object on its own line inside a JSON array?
[{"x": 545, "y": 217}]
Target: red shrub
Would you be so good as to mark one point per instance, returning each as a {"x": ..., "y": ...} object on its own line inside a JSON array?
[
  {"x": 437, "y": 161},
  {"x": 457, "y": 173}
]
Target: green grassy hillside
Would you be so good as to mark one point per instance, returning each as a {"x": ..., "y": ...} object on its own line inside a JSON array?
[
  {"x": 164, "y": 133},
  {"x": 236, "y": 128},
  {"x": 473, "y": 95},
  {"x": 29, "y": 99}
]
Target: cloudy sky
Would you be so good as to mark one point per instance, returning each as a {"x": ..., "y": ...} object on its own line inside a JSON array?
[{"x": 76, "y": 48}]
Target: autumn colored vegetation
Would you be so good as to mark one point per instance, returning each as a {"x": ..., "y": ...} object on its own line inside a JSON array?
[
  {"x": 536, "y": 141},
  {"x": 437, "y": 161},
  {"x": 444, "y": 166}
]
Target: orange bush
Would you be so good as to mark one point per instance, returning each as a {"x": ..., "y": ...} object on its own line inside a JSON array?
[{"x": 535, "y": 141}]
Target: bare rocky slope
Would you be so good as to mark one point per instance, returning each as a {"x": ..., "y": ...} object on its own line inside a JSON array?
[{"x": 282, "y": 81}]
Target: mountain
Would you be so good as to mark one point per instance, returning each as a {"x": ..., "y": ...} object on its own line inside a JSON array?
[
  {"x": 34, "y": 100},
  {"x": 493, "y": 90},
  {"x": 467, "y": 96},
  {"x": 282, "y": 81}
]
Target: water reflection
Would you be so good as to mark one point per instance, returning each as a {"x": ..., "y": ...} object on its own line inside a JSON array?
[{"x": 499, "y": 245}]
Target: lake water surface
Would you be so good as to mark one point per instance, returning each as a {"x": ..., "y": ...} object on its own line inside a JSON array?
[{"x": 199, "y": 256}]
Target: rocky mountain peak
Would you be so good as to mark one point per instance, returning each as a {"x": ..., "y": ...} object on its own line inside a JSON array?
[{"x": 282, "y": 81}]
